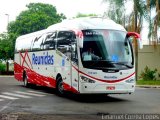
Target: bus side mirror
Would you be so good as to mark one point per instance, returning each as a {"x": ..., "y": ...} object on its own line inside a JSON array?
[{"x": 138, "y": 38}]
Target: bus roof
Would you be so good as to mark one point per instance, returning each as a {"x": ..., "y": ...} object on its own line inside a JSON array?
[
  {"x": 32, "y": 34},
  {"x": 82, "y": 23},
  {"x": 86, "y": 23}
]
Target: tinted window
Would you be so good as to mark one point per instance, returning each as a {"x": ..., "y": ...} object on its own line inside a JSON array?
[
  {"x": 103, "y": 48},
  {"x": 49, "y": 42},
  {"x": 64, "y": 41},
  {"x": 36, "y": 44}
]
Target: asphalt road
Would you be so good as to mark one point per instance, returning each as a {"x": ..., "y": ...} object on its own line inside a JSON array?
[{"x": 37, "y": 102}]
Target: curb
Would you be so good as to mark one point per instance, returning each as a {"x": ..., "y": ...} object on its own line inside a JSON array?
[
  {"x": 148, "y": 86},
  {"x": 6, "y": 76}
]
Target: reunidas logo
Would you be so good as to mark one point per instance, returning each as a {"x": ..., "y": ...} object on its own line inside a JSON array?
[{"x": 44, "y": 59}]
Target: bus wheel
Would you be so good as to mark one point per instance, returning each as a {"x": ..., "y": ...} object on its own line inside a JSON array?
[
  {"x": 59, "y": 87},
  {"x": 25, "y": 81}
]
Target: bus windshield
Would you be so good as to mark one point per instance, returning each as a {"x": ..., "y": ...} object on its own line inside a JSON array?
[{"x": 104, "y": 49}]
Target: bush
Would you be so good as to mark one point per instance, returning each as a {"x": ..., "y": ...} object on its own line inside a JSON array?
[
  {"x": 148, "y": 74},
  {"x": 2, "y": 67}
]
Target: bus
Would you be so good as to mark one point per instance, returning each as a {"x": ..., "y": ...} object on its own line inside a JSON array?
[{"x": 89, "y": 55}]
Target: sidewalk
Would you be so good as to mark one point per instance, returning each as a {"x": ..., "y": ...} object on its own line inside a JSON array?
[{"x": 148, "y": 86}]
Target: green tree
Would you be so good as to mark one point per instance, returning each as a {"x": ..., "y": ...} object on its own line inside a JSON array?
[
  {"x": 6, "y": 47},
  {"x": 135, "y": 20},
  {"x": 38, "y": 16},
  {"x": 154, "y": 24},
  {"x": 132, "y": 22},
  {"x": 116, "y": 11},
  {"x": 84, "y": 15}
]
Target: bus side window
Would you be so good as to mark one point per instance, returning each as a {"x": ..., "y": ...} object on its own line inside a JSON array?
[
  {"x": 37, "y": 42},
  {"x": 20, "y": 46},
  {"x": 50, "y": 41},
  {"x": 64, "y": 42}
]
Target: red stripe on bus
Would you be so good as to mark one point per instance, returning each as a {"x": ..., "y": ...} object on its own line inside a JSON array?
[
  {"x": 69, "y": 88},
  {"x": 38, "y": 79},
  {"x": 23, "y": 59},
  {"x": 108, "y": 81},
  {"x": 29, "y": 60}
]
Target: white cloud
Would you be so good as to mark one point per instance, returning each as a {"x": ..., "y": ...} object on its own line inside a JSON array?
[{"x": 68, "y": 7}]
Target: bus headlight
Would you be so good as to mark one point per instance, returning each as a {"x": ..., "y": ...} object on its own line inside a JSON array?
[
  {"x": 85, "y": 79},
  {"x": 130, "y": 80}
]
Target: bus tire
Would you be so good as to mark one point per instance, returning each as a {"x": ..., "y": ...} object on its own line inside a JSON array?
[
  {"x": 59, "y": 86},
  {"x": 25, "y": 81}
]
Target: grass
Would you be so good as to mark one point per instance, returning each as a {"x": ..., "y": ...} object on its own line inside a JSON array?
[{"x": 148, "y": 82}]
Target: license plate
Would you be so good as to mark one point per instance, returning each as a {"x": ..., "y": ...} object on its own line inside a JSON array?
[{"x": 110, "y": 87}]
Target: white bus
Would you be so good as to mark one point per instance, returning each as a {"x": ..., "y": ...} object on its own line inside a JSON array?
[{"x": 83, "y": 55}]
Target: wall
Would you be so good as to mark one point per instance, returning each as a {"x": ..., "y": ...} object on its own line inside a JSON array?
[{"x": 149, "y": 56}]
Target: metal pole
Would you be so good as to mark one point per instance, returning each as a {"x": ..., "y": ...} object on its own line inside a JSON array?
[
  {"x": 7, "y": 19},
  {"x": 136, "y": 45},
  {"x": 7, "y": 63}
]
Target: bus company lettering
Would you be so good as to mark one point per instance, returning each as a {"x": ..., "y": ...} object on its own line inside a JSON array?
[
  {"x": 44, "y": 59},
  {"x": 110, "y": 77}
]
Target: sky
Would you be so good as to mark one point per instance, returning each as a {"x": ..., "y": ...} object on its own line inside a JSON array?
[{"x": 9, "y": 9}]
